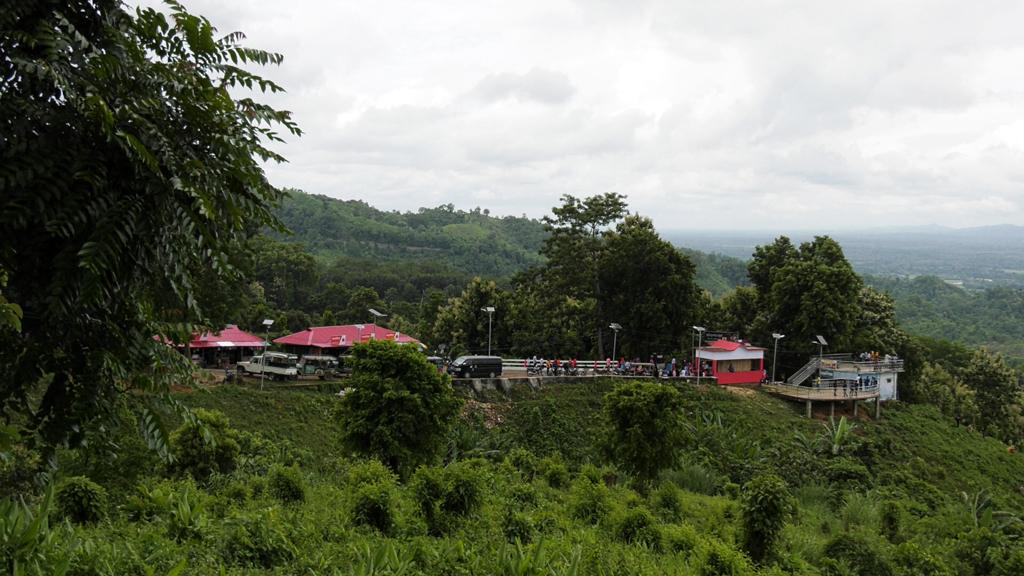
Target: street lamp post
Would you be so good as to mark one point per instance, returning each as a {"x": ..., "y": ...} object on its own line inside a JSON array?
[
  {"x": 376, "y": 318},
  {"x": 820, "y": 341},
  {"x": 775, "y": 354},
  {"x": 490, "y": 316},
  {"x": 700, "y": 342},
  {"x": 615, "y": 326},
  {"x": 267, "y": 322}
]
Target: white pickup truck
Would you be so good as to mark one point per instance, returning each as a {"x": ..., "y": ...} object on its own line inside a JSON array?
[{"x": 278, "y": 366}]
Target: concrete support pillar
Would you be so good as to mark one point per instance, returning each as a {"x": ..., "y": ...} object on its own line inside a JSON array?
[
  {"x": 854, "y": 408},
  {"x": 878, "y": 408},
  {"x": 808, "y": 408},
  {"x": 832, "y": 409}
]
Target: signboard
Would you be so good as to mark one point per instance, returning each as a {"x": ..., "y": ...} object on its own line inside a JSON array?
[{"x": 710, "y": 336}]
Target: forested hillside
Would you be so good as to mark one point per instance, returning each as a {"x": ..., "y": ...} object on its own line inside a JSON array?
[
  {"x": 931, "y": 307},
  {"x": 472, "y": 242}
]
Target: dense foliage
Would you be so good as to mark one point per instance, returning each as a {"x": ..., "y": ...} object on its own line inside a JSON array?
[
  {"x": 645, "y": 427},
  {"x": 472, "y": 242},
  {"x": 129, "y": 175},
  {"x": 910, "y": 494},
  {"x": 929, "y": 306},
  {"x": 398, "y": 407}
]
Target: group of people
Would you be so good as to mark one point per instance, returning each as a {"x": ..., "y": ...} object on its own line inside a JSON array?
[
  {"x": 554, "y": 367},
  {"x": 876, "y": 357},
  {"x": 849, "y": 387}
]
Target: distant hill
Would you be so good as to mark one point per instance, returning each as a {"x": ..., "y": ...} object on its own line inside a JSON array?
[
  {"x": 472, "y": 242},
  {"x": 929, "y": 306},
  {"x": 717, "y": 273},
  {"x": 976, "y": 257}
]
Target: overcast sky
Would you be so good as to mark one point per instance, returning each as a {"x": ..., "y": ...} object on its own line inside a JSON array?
[{"x": 769, "y": 114}]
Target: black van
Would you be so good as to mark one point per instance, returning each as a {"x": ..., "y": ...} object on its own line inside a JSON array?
[{"x": 476, "y": 367}]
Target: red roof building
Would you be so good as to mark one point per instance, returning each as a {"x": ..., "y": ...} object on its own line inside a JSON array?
[
  {"x": 230, "y": 337},
  {"x": 338, "y": 339},
  {"x": 733, "y": 362},
  {"x": 220, "y": 349}
]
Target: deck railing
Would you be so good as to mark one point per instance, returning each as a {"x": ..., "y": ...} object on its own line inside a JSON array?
[{"x": 832, "y": 389}]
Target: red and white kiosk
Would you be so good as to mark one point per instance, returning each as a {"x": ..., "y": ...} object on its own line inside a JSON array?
[{"x": 733, "y": 362}]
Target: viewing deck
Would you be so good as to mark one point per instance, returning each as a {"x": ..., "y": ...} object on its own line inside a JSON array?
[{"x": 831, "y": 391}]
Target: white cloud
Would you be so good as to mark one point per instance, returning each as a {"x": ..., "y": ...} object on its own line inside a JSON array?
[{"x": 707, "y": 114}]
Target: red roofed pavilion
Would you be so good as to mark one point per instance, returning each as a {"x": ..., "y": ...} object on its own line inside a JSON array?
[
  {"x": 228, "y": 346},
  {"x": 338, "y": 339},
  {"x": 733, "y": 362}
]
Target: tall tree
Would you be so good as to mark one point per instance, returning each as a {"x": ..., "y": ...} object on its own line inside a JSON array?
[
  {"x": 574, "y": 247},
  {"x": 806, "y": 291},
  {"x": 647, "y": 287},
  {"x": 126, "y": 168},
  {"x": 399, "y": 408},
  {"x": 462, "y": 325},
  {"x": 998, "y": 395}
]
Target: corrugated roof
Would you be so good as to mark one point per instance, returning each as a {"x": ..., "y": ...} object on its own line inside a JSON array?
[{"x": 342, "y": 336}]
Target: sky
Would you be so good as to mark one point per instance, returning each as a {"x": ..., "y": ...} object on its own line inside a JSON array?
[{"x": 706, "y": 115}]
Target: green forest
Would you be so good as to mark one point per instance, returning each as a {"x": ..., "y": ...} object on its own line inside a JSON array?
[
  {"x": 135, "y": 212},
  {"x": 931, "y": 307}
]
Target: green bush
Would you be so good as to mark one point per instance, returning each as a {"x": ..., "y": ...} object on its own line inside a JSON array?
[
  {"x": 187, "y": 518},
  {"x": 554, "y": 471},
  {"x": 258, "y": 540},
  {"x": 522, "y": 493},
  {"x": 81, "y": 500},
  {"x": 237, "y": 491},
  {"x": 909, "y": 559},
  {"x": 644, "y": 427},
  {"x": 517, "y": 527},
  {"x": 766, "y": 504},
  {"x": 524, "y": 461},
  {"x": 204, "y": 445},
  {"x": 732, "y": 490},
  {"x": 286, "y": 483},
  {"x": 680, "y": 538},
  {"x": 637, "y": 526},
  {"x": 667, "y": 503},
  {"x": 373, "y": 506},
  {"x": 28, "y": 543},
  {"x": 445, "y": 495},
  {"x": 399, "y": 408},
  {"x": 718, "y": 559},
  {"x": 151, "y": 500},
  {"x": 892, "y": 522},
  {"x": 848, "y": 474},
  {"x": 21, "y": 470},
  {"x": 693, "y": 477},
  {"x": 858, "y": 553},
  {"x": 589, "y": 501}
]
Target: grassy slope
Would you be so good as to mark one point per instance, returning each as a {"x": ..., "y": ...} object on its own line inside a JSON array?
[
  {"x": 302, "y": 417},
  {"x": 565, "y": 419}
]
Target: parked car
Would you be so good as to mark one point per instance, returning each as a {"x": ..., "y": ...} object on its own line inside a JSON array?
[
  {"x": 322, "y": 367},
  {"x": 437, "y": 361},
  {"x": 476, "y": 367},
  {"x": 278, "y": 366}
]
